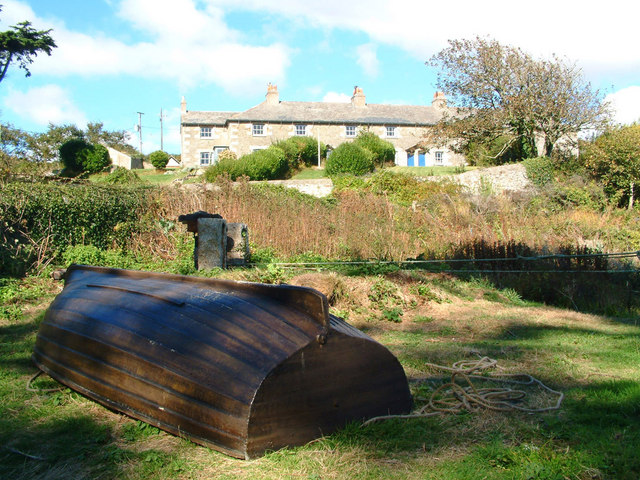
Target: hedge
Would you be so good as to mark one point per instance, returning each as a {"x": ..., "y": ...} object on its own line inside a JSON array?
[{"x": 53, "y": 216}]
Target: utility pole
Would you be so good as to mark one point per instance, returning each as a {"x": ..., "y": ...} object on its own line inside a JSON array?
[
  {"x": 161, "y": 131},
  {"x": 318, "y": 133},
  {"x": 140, "y": 129}
]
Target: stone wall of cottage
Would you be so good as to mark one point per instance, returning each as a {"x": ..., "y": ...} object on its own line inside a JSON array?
[{"x": 238, "y": 138}]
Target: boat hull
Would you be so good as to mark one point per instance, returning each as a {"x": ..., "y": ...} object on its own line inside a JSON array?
[{"x": 242, "y": 368}]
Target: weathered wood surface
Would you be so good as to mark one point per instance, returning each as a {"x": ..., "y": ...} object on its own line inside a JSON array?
[{"x": 240, "y": 367}]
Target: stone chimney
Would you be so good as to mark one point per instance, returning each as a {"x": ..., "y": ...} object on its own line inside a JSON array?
[
  {"x": 272, "y": 97},
  {"x": 183, "y": 106},
  {"x": 439, "y": 101},
  {"x": 358, "y": 99}
]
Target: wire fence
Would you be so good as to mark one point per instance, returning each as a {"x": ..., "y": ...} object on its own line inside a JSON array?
[{"x": 425, "y": 263}]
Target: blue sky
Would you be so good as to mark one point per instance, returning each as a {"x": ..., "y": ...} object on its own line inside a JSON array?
[{"x": 119, "y": 57}]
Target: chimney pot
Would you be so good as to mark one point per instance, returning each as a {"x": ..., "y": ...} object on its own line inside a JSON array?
[
  {"x": 272, "y": 97},
  {"x": 358, "y": 99}
]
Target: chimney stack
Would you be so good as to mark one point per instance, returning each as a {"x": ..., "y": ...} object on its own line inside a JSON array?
[
  {"x": 358, "y": 99},
  {"x": 272, "y": 97},
  {"x": 183, "y": 106},
  {"x": 439, "y": 101}
]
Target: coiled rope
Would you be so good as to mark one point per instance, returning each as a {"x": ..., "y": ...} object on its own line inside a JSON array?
[{"x": 460, "y": 394}]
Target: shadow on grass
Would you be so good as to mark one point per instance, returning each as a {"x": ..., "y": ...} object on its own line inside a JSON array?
[
  {"x": 66, "y": 448},
  {"x": 16, "y": 344}
]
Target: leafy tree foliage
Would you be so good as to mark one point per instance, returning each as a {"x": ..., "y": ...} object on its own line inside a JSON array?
[
  {"x": 501, "y": 90},
  {"x": 95, "y": 133},
  {"x": 159, "y": 159},
  {"x": 614, "y": 158},
  {"x": 45, "y": 146},
  {"x": 20, "y": 44}
]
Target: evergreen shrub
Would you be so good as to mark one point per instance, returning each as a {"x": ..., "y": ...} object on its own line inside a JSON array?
[
  {"x": 382, "y": 150},
  {"x": 349, "y": 157},
  {"x": 301, "y": 151},
  {"x": 71, "y": 153},
  {"x": 159, "y": 159},
  {"x": 95, "y": 159}
]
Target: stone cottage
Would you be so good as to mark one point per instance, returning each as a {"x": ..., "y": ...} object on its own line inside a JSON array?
[{"x": 205, "y": 134}]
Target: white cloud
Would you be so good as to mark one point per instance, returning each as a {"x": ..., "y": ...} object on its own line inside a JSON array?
[
  {"x": 367, "y": 59},
  {"x": 44, "y": 105},
  {"x": 626, "y": 103},
  {"x": 335, "y": 97},
  {"x": 183, "y": 43},
  {"x": 587, "y": 32}
]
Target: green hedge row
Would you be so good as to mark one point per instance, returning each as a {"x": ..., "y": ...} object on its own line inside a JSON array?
[{"x": 49, "y": 216}]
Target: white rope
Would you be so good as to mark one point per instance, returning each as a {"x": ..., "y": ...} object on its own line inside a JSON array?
[{"x": 452, "y": 397}]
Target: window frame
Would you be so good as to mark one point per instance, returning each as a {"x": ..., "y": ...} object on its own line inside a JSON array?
[
  {"x": 438, "y": 157},
  {"x": 206, "y": 132},
  {"x": 392, "y": 129},
  {"x": 350, "y": 131},
  {"x": 258, "y": 130},
  {"x": 297, "y": 127},
  {"x": 205, "y": 154}
]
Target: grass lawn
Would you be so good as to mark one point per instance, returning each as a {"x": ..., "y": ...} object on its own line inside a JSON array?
[
  {"x": 309, "y": 173},
  {"x": 431, "y": 171},
  {"x": 594, "y": 360}
]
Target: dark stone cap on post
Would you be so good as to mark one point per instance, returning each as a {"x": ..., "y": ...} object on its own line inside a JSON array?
[{"x": 191, "y": 219}]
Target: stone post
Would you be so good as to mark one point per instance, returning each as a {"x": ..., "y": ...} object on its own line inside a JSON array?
[
  {"x": 237, "y": 244},
  {"x": 211, "y": 249}
]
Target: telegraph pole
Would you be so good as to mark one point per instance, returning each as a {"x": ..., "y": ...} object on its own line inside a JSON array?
[
  {"x": 161, "y": 131},
  {"x": 140, "y": 129}
]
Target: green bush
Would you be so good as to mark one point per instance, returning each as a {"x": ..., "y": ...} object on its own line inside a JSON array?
[
  {"x": 382, "y": 151},
  {"x": 120, "y": 176},
  {"x": 269, "y": 164},
  {"x": 95, "y": 159},
  {"x": 79, "y": 156},
  {"x": 71, "y": 155},
  {"x": 349, "y": 158},
  {"x": 301, "y": 151},
  {"x": 159, "y": 159},
  {"x": 540, "y": 170}
]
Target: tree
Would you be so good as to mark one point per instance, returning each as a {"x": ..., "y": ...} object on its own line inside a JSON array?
[
  {"x": 95, "y": 134},
  {"x": 614, "y": 157},
  {"x": 501, "y": 90},
  {"x": 45, "y": 146},
  {"x": 22, "y": 42},
  {"x": 159, "y": 159}
]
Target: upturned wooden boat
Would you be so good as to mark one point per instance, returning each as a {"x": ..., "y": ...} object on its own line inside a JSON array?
[{"x": 240, "y": 367}]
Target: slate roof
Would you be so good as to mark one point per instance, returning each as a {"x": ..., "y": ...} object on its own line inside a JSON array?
[{"x": 321, "y": 113}]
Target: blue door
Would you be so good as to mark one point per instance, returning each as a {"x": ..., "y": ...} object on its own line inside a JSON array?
[
  {"x": 410, "y": 161},
  {"x": 422, "y": 162}
]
